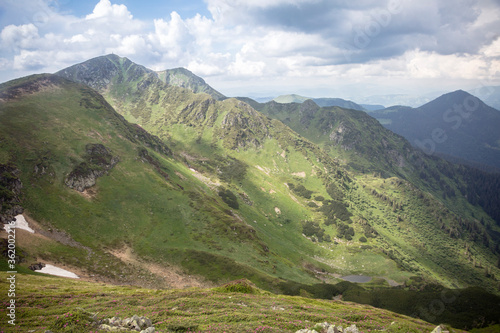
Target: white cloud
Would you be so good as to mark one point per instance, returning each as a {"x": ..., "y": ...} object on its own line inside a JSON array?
[
  {"x": 243, "y": 67},
  {"x": 29, "y": 60},
  {"x": 21, "y": 37},
  {"x": 172, "y": 37},
  {"x": 265, "y": 43},
  {"x": 80, "y": 38},
  {"x": 129, "y": 45},
  {"x": 105, "y": 9},
  {"x": 432, "y": 65},
  {"x": 5, "y": 64},
  {"x": 492, "y": 50}
]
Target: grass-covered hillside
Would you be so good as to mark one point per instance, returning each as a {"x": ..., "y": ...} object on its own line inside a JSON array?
[
  {"x": 65, "y": 305},
  {"x": 297, "y": 194},
  {"x": 129, "y": 180}
]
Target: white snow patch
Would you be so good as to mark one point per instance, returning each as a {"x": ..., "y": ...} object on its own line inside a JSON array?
[
  {"x": 53, "y": 270},
  {"x": 21, "y": 223}
]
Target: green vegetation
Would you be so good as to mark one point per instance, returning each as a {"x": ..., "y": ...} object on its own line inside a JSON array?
[
  {"x": 221, "y": 191},
  {"x": 64, "y": 305}
]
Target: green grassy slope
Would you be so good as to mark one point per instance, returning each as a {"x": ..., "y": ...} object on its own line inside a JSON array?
[
  {"x": 154, "y": 205},
  {"x": 285, "y": 185},
  {"x": 62, "y": 305},
  {"x": 181, "y": 77}
]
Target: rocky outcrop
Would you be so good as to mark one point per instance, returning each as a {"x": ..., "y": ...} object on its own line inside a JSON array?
[
  {"x": 10, "y": 193},
  {"x": 98, "y": 161},
  {"x": 327, "y": 328},
  {"x": 345, "y": 136},
  {"x": 135, "y": 323},
  {"x": 36, "y": 267},
  {"x": 115, "y": 324},
  {"x": 440, "y": 329}
]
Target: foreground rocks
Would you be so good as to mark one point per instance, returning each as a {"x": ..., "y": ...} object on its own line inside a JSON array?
[
  {"x": 36, "y": 267},
  {"x": 135, "y": 323},
  {"x": 327, "y": 328},
  {"x": 115, "y": 324}
]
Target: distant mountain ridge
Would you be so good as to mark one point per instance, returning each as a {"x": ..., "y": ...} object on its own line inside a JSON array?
[
  {"x": 456, "y": 124},
  {"x": 293, "y": 98}
]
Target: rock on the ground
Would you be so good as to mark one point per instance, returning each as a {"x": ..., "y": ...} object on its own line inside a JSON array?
[
  {"x": 134, "y": 323},
  {"x": 329, "y": 328},
  {"x": 440, "y": 329}
]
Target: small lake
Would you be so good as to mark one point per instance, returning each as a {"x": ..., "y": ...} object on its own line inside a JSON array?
[{"x": 356, "y": 278}]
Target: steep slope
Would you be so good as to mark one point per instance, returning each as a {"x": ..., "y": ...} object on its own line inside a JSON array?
[
  {"x": 181, "y": 77},
  {"x": 133, "y": 195},
  {"x": 284, "y": 185},
  {"x": 456, "y": 124},
  {"x": 365, "y": 146},
  {"x": 361, "y": 144}
]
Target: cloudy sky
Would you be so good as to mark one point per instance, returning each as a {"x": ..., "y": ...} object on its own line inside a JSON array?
[{"x": 318, "y": 48}]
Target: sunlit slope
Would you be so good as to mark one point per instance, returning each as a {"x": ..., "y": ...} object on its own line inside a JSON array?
[{"x": 285, "y": 186}]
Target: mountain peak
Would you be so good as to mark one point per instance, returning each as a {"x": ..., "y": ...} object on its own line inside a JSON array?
[
  {"x": 100, "y": 71},
  {"x": 449, "y": 99}
]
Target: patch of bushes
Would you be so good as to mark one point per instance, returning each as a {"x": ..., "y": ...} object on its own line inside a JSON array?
[
  {"x": 310, "y": 229},
  {"x": 243, "y": 286},
  {"x": 300, "y": 190},
  {"x": 229, "y": 198},
  {"x": 335, "y": 209},
  {"x": 344, "y": 231},
  {"x": 231, "y": 169}
]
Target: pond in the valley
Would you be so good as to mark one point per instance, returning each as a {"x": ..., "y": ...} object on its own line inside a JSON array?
[{"x": 356, "y": 278}]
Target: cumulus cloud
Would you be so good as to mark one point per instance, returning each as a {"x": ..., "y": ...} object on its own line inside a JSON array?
[
  {"x": 104, "y": 9},
  {"x": 321, "y": 42},
  {"x": 19, "y": 37}
]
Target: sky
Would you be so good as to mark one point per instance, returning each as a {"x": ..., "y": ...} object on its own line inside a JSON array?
[{"x": 318, "y": 48}]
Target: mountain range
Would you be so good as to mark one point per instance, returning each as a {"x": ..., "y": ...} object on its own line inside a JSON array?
[
  {"x": 457, "y": 124},
  {"x": 293, "y": 98},
  {"x": 134, "y": 176}
]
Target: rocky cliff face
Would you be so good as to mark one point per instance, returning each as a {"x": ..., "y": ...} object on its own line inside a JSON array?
[
  {"x": 10, "y": 193},
  {"x": 98, "y": 161}
]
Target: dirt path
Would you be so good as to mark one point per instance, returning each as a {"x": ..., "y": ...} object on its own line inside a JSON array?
[{"x": 172, "y": 275}]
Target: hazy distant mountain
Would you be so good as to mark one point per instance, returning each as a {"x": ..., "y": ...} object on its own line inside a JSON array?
[
  {"x": 399, "y": 99},
  {"x": 372, "y": 107},
  {"x": 293, "y": 98},
  {"x": 456, "y": 124}
]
